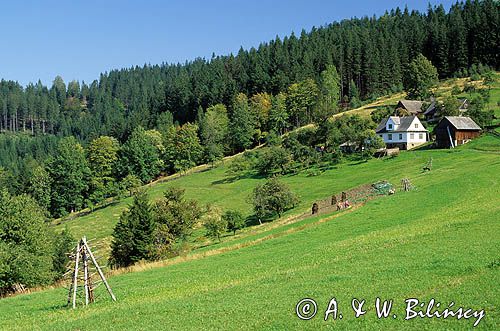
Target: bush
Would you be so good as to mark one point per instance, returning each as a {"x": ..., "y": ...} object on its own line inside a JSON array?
[
  {"x": 234, "y": 219},
  {"x": 63, "y": 244},
  {"x": 272, "y": 197},
  {"x": 178, "y": 214},
  {"x": 238, "y": 165},
  {"x": 456, "y": 90},
  {"x": 215, "y": 224},
  {"x": 130, "y": 184},
  {"x": 26, "y": 243},
  {"x": 273, "y": 159}
]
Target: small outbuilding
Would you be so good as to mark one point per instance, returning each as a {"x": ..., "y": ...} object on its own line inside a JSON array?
[
  {"x": 413, "y": 107},
  {"x": 431, "y": 114},
  {"x": 453, "y": 131}
]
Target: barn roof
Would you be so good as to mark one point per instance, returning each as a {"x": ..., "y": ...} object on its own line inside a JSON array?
[
  {"x": 413, "y": 106},
  {"x": 462, "y": 123}
]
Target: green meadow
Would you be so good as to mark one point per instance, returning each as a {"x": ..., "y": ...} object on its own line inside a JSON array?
[
  {"x": 438, "y": 241},
  {"x": 228, "y": 192}
]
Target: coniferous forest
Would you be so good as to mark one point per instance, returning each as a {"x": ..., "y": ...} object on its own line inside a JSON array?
[{"x": 71, "y": 145}]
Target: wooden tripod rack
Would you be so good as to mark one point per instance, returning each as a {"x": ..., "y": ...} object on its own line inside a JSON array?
[{"x": 84, "y": 257}]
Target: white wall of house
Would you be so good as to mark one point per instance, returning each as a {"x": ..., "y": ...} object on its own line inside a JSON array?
[
  {"x": 415, "y": 135},
  {"x": 404, "y": 137}
]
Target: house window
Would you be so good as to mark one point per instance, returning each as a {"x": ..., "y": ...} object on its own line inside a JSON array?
[
  {"x": 390, "y": 126},
  {"x": 412, "y": 135},
  {"x": 420, "y": 136},
  {"x": 400, "y": 136},
  {"x": 416, "y": 125},
  {"x": 389, "y": 136}
]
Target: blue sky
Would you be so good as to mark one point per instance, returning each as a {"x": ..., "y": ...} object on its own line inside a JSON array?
[{"x": 80, "y": 39}]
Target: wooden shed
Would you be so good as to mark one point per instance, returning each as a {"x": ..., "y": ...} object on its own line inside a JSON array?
[
  {"x": 452, "y": 131},
  {"x": 412, "y": 107}
]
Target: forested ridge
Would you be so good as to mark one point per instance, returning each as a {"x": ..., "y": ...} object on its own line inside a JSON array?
[{"x": 371, "y": 55}]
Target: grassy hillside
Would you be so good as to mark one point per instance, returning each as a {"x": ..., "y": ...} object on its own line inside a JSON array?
[
  {"x": 439, "y": 241},
  {"x": 216, "y": 187}
]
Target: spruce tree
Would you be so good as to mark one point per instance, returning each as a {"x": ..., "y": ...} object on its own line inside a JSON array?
[{"x": 133, "y": 234}]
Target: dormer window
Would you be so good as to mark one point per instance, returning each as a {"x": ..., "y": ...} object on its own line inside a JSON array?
[{"x": 390, "y": 126}]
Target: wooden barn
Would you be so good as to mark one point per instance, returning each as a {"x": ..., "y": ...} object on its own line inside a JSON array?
[
  {"x": 452, "y": 131},
  {"x": 412, "y": 107}
]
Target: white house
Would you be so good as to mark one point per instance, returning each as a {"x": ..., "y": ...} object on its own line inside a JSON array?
[{"x": 404, "y": 132}]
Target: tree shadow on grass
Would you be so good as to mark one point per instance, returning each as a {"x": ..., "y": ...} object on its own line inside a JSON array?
[
  {"x": 234, "y": 178},
  {"x": 358, "y": 162},
  {"x": 254, "y": 220}
]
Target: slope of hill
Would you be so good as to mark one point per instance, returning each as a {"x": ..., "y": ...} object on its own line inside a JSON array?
[
  {"x": 232, "y": 193},
  {"x": 438, "y": 241}
]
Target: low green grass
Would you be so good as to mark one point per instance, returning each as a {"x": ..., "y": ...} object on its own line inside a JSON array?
[
  {"x": 216, "y": 187},
  {"x": 438, "y": 241}
]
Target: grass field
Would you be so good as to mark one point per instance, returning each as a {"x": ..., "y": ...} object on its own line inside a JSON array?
[
  {"x": 216, "y": 187},
  {"x": 438, "y": 241}
]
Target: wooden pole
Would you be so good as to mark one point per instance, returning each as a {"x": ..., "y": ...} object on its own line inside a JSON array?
[
  {"x": 85, "y": 273},
  {"x": 75, "y": 275},
  {"x": 98, "y": 269}
]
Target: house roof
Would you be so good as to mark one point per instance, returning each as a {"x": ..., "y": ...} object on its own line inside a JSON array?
[
  {"x": 403, "y": 123},
  {"x": 462, "y": 123},
  {"x": 413, "y": 106}
]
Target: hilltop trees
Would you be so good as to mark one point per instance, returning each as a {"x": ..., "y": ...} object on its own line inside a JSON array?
[
  {"x": 40, "y": 183},
  {"x": 330, "y": 87},
  {"x": 187, "y": 148},
  {"x": 371, "y": 55},
  {"x": 421, "y": 76},
  {"x": 301, "y": 99},
  {"x": 278, "y": 114}
]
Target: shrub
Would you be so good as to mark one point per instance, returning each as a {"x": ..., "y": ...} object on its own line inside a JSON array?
[
  {"x": 178, "y": 214},
  {"x": 272, "y": 197},
  {"x": 26, "y": 243},
  {"x": 456, "y": 90},
  {"x": 235, "y": 220},
  {"x": 215, "y": 224}
]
